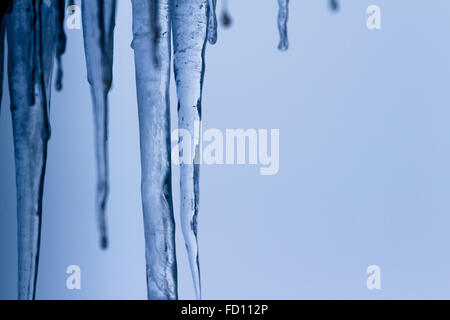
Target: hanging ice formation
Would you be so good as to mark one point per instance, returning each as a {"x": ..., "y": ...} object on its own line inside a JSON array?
[
  {"x": 283, "y": 15},
  {"x": 5, "y": 7},
  {"x": 152, "y": 52},
  {"x": 31, "y": 49},
  {"x": 98, "y": 18},
  {"x": 190, "y": 33},
  {"x": 212, "y": 22},
  {"x": 334, "y": 5},
  {"x": 225, "y": 16},
  {"x": 60, "y": 42},
  {"x": 36, "y": 36}
]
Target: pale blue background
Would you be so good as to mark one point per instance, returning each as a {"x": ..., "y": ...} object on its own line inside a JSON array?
[{"x": 364, "y": 119}]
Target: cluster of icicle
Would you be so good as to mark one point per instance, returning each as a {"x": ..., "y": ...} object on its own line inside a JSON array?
[{"x": 36, "y": 39}]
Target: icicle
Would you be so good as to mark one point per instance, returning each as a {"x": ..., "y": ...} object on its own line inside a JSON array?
[
  {"x": 152, "y": 81},
  {"x": 225, "y": 16},
  {"x": 60, "y": 43},
  {"x": 30, "y": 29},
  {"x": 283, "y": 15},
  {"x": 190, "y": 28},
  {"x": 155, "y": 29},
  {"x": 5, "y": 7},
  {"x": 212, "y": 22},
  {"x": 334, "y": 5},
  {"x": 2, "y": 57},
  {"x": 98, "y": 28}
]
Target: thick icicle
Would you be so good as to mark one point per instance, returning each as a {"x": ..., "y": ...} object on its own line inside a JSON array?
[
  {"x": 152, "y": 79},
  {"x": 190, "y": 30},
  {"x": 212, "y": 23},
  {"x": 30, "y": 30},
  {"x": 334, "y": 5},
  {"x": 225, "y": 16},
  {"x": 283, "y": 15},
  {"x": 60, "y": 42},
  {"x": 98, "y": 29}
]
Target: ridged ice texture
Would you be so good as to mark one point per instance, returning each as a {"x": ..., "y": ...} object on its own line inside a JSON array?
[
  {"x": 30, "y": 28},
  {"x": 98, "y": 29},
  {"x": 190, "y": 32},
  {"x": 283, "y": 15},
  {"x": 152, "y": 80}
]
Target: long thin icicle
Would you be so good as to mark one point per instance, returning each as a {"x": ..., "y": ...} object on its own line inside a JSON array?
[
  {"x": 190, "y": 30},
  {"x": 98, "y": 28},
  {"x": 60, "y": 42},
  {"x": 283, "y": 15},
  {"x": 2, "y": 57},
  {"x": 30, "y": 30},
  {"x": 152, "y": 79},
  {"x": 225, "y": 16}
]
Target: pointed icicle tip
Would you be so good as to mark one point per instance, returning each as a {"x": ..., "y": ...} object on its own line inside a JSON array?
[
  {"x": 212, "y": 22},
  {"x": 61, "y": 41},
  {"x": 334, "y": 5},
  {"x": 226, "y": 20},
  {"x": 104, "y": 243},
  {"x": 225, "y": 17}
]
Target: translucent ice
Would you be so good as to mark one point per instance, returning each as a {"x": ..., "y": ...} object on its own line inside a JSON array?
[
  {"x": 98, "y": 29},
  {"x": 190, "y": 32},
  {"x": 152, "y": 52},
  {"x": 30, "y": 28}
]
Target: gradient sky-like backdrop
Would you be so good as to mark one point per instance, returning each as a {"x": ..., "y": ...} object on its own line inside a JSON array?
[{"x": 364, "y": 119}]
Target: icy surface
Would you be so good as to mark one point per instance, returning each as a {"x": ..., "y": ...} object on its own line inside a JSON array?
[
  {"x": 31, "y": 52},
  {"x": 190, "y": 31},
  {"x": 283, "y": 15},
  {"x": 152, "y": 79},
  {"x": 98, "y": 30}
]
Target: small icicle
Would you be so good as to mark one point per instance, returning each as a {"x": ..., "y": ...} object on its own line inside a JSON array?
[
  {"x": 212, "y": 22},
  {"x": 98, "y": 29},
  {"x": 190, "y": 33},
  {"x": 152, "y": 84},
  {"x": 225, "y": 16},
  {"x": 334, "y": 5},
  {"x": 60, "y": 43},
  {"x": 283, "y": 15},
  {"x": 30, "y": 28}
]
